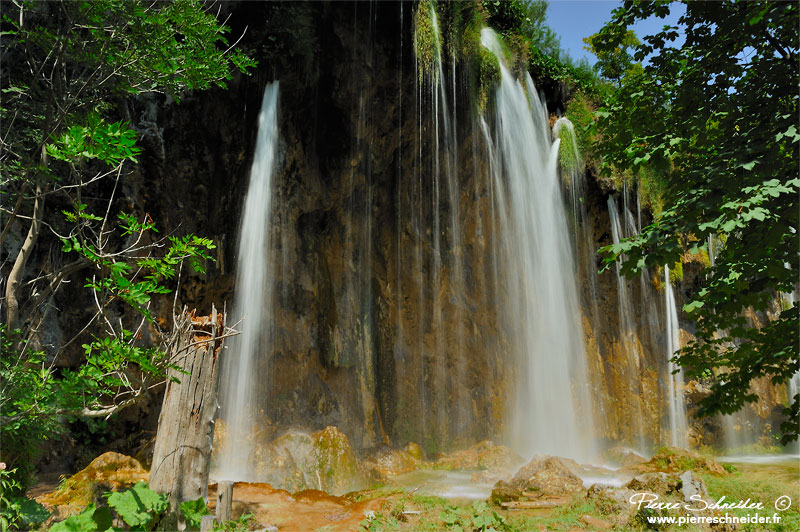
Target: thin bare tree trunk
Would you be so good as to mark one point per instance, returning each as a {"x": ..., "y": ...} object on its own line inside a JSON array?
[
  {"x": 18, "y": 270},
  {"x": 182, "y": 453}
]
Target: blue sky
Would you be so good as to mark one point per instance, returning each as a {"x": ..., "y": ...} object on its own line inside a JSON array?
[{"x": 573, "y": 20}]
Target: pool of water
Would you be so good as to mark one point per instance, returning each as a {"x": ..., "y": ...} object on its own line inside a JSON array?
[{"x": 456, "y": 485}]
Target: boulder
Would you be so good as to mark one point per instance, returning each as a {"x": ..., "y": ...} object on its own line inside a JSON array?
[
  {"x": 676, "y": 460},
  {"x": 334, "y": 462},
  {"x": 108, "y": 472},
  {"x": 610, "y": 500},
  {"x": 659, "y": 483},
  {"x": 505, "y": 492},
  {"x": 691, "y": 485},
  {"x": 625, "y": 456},
  {"x": 413, "y": 449},
  {"x": 482, "y": 456},
  {"x": 548, "y": 476},
  {"x": 386, "y": 463}
]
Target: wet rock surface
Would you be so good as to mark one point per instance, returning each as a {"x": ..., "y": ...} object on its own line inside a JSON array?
[
  {"x": 676, "y": 460},
  {"x": 108, "y": 472},
  {"x": 485, "y": 455}
]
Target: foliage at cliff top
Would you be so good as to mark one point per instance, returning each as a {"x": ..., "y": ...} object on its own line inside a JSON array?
[
  {"x": 69, "y": 68},
  {"x": 716, "y": 118},
  {"x": 543, "y": 55},
  {"x": 531, "y": 45}
]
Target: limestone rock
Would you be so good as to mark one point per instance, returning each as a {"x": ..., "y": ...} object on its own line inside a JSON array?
[
  {"x": 108, "y": 472},
  {"x": 548, "y": 476},
  {"x": 610, "y": 500},
  {"x": 413, "y": 449},
  {"x": 691, "y": 486},
  {"x": 484, "y": 455},
  {"x": 675, "y": 460},
  {"x": 625, "y": 456},
  {"x": 659, "y": 483},
  {"x": 323, "y": 460},
  {"x": 386, "y": 463},
  {"x": 505, "y": 492}
]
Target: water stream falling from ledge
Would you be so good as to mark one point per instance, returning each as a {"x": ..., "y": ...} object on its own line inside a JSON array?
[
  {"x": 552, "y": 410},
  {"x": 677, "y": 406},
  {"x": 239, "y": 383}
]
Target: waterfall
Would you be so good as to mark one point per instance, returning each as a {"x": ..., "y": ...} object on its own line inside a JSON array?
[
  {"x": 239, "y": 386},
  {"x": 677, "y": 408},
  {"x": 552, "y": 413},
  {"x": 627, "y": 333}
]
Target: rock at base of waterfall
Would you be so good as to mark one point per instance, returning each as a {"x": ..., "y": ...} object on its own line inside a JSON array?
[
  {"x": 676, "y": 460},
  {"x": 692, "y": 486},
  {"x": 610, "y": 500},
  {"x": 548, "y": 476},
  {"x": 108, "y": 472},
  {"x": 485, "y": 455},
  {"x": 658, "y": 483},
  {"x": 386, "y": 463},
  {"x": 505, "y": 492},
  {"x": 625, "y": 456}
]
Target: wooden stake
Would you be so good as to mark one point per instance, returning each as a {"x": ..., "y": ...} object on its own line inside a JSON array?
[{"x": 224, "y": 501}]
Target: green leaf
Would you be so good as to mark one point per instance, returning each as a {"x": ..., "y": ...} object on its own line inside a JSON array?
[
  {"x": 91, "y": 519},
  {"x": 194, "y": 511},
  {"x": 139, "y": 505}
]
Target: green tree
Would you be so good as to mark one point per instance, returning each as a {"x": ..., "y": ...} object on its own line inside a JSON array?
[
  {"x": 66, "y": 150},
  {"x": 614, "y": 63},
  {"x": 717, "y": 118}
]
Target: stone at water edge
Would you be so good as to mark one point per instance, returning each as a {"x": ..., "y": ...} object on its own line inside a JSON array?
[
  {"x": 610, "y": 500},
  {"x": 691, "y": 485},
  {"x": 483, "y": 455},
  {"x": 659, "y": 483},
  {"x": 549, "y": 476},
  {"x": 504, "y": 492},
  {"x": 108, "y": 472},
  {"x": 676, "y": 460},
  {"x": 625, "y": 457},
  {"x": 413, "y": 449},
  {"x": 386, "y": 463}
]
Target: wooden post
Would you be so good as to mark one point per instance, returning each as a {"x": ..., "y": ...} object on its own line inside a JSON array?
[
  {"x": 182, "y": 452},
  {"x": 207, "y": 523},
  {"x": 224, "y": 501}
]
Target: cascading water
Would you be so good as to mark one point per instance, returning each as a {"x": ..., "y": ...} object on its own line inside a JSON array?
[
  {"x": 574, "y": 179},
  {"x": 677, "y": 408},
  {"x": 238, "y": 387},
  {"x": 627, "y": 333},
  {"x": 552, "y": 396}
]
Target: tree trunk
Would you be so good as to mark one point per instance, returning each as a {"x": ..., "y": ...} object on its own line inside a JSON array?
[
  {"x": 18, "y": 270},
  {"x": 182, "y": 453}
]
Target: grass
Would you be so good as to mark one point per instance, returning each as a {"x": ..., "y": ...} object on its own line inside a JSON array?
[{"x": 762, "y": 484}]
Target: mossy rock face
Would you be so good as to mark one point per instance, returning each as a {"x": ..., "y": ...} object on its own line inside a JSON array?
[
  {"x": 323, "y": 460},
  {"x": 387, "y": 463},
  {"x": 676, "y": 460},
  {"x": 504, "y": 492},
  {"x": 482, "y": 456},
  {"x": 414, "y": 450},
  {"x": 108, "y": 472},
  {"x": 548, "y": 476},
  {"x": 334, "y": 462}
]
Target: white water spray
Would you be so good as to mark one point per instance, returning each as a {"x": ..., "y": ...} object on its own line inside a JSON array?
[
  {"x": 251, "y": 303},
  {"x": 677, "y": 408},
  {"x": 552, "y": 414}
]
